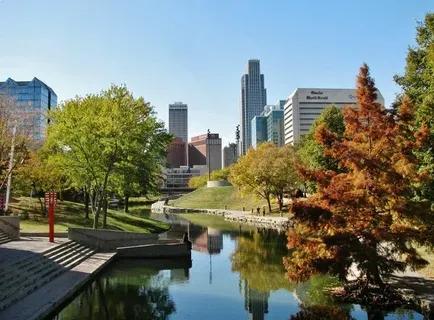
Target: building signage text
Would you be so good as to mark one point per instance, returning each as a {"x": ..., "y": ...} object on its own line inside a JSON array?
[{"x": 316, "y": 95}]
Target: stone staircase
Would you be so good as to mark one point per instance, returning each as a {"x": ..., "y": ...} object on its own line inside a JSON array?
[
  {"x": 4, "y": 237},
  {"x": 25, "y": 276}
]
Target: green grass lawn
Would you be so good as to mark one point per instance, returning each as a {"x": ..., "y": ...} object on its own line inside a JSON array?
[
  {"x": 219, "y": 198},
  {"x": 71, "y": 214}
]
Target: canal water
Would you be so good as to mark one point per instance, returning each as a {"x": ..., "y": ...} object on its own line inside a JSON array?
[{"x": 235, "y": 272}]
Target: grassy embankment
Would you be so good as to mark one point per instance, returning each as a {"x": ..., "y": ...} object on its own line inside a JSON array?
[
  {"x": 219, "y": 198},
  {"x": 71, "y": 214}
]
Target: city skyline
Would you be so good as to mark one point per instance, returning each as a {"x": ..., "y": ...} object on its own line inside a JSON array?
[{"x": 205, "y": 74}]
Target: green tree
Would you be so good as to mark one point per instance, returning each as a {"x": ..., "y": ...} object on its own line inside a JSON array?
[
  {"x": 95, "y": 137},
  {"x": 266, "y": 171},
  {"x": 251, "y": 174},
  {"x": 417, "y": 83},
  {"x": 139, "y": 173},
  {"x": 284, "y": 175},
  {"x": 38, "y": 175},
  {"x": 365, "y": 215},
  {"x": 311, "y": 152}
]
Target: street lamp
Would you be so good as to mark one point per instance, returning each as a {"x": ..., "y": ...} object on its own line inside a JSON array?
[{"x": 208, "y": 136}]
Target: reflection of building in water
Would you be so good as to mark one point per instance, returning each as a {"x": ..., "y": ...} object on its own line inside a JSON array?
[
  {"x": 255, "y": 302},
  {"x": 210, "y": 241}
]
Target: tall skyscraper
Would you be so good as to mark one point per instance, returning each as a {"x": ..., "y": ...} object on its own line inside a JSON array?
[
  {"x": 178, "y": 120},
  {"x": 253, "y": 100},
  {"x": 32, "y": 99}
]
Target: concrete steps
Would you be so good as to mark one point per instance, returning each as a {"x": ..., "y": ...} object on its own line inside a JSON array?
[
  {"x": 25, "y": 276},
  {"x": 4, "y": 237}
]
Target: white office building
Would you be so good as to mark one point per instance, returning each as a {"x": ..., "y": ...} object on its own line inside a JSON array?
[{"x": 304, "y": 105}]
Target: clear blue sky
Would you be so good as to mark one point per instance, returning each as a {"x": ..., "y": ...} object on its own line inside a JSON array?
[{"x": 196, "y": 51}]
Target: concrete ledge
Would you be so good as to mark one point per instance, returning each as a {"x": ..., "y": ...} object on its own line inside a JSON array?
[
  {"x": 44, "y": 234},
  {"x": 217, "y": 183},
  {"x": 161, "y": 250},
  {"x": 10, "y": 226},
  {"x": 108, "y": 240}
]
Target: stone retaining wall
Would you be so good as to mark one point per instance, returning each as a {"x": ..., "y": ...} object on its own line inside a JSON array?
[
  {"x": 280, "y": 223},
  {"x": 159, "y": 250},
  {"x": 108, "y": 240},
  {"x": 217, "y": 183},
  {"x": 10, "y": 226}
]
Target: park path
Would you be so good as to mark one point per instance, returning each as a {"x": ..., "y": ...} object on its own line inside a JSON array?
[{"x": 52, "y": 292}]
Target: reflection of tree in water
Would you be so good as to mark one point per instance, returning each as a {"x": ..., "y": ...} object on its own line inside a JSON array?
[
  {"x": 129, "y": 296},
  {"x": 258, "y": 258}
]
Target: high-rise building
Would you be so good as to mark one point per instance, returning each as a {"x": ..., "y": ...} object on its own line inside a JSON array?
[
  {"x": 259, "y": 130},
  {"x": 230, "y": 154},
  {"x": 206, "y": 149},
  {"x": 177, "y": 153},
  {"x": 268, "y": 126},
  {"x": 253, "y": 100},
  {"x": 304, "y": 105},
  {"x": 178, "y": 120},
  {"x": 32, "y": 99}
]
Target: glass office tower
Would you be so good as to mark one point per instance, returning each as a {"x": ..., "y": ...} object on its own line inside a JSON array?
[
  {"x": 253, "y": 100},
  {"x": 32, "y": 100}
]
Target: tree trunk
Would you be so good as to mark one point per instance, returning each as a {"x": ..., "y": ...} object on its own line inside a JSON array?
[
  {"x": 269, "y": 203},
  {"x": 86, "y": 203},
  {"x": 93, "y": 201},
  {"x": 126, "y": 203},
  {"x": 96, "y": 208},
  {"x": 280, "y": 201},
  {"x": 95, "y": 219},
  {"x": 104, "y": 211}
]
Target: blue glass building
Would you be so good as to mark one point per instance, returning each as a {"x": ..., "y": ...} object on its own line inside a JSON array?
[
  {"x": 253, "y": 100},
  {"x": 33, "y": 99},
  {"x": 259, "y": 130},
  {"x": 268, "y": 127}
]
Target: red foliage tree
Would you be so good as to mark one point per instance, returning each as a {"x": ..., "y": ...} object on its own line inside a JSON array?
[{"x": 363, "y": 217}]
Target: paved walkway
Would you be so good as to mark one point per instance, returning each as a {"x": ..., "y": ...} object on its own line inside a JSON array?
[
  {"x": 13, "y": 251},
  {"x": 417, "y": 288},
  {"x": 44, "y": 300}
]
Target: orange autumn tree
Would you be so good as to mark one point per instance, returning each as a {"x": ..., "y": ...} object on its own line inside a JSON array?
[{"x": 362, "y": 216}]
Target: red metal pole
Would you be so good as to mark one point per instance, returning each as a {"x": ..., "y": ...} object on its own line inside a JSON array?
[{"x": 51, "y": 220}]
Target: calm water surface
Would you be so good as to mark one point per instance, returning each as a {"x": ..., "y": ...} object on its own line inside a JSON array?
[{"x": 235, "y": 272}]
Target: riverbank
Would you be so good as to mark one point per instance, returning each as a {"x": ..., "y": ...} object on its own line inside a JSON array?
[
  {"x": 72, "y": 214},
  {"x": 272, "y": 222}
]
